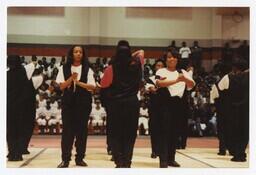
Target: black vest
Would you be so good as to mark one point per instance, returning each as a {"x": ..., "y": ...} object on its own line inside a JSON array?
[
  {"x": 126, "y": 83},
  {"x": 81, "y": 96},
  {"x": 238, "y": 89}
]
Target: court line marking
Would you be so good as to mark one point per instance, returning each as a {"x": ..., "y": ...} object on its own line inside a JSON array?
[
  {"x": 32, "y": 158},
  {"x": 196, "y": 159}
]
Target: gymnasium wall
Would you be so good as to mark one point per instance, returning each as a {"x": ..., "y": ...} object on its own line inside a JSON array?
[{"x": 100, "y": 28}]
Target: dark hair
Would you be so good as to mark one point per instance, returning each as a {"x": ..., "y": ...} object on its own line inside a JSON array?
[
  {"x": 239, "y": 63},
  {"x": 34, "y": 58},
  {"x": 53, "y": 59},
  {"x": 123, "y": 43},
  {"x": 14, "y": 62},
  {"x": 123, "y": 54},
  {"x": 160, "y": 60},
  {"x": 84, "y": 60},
  {"x": 174, "y": 54}
]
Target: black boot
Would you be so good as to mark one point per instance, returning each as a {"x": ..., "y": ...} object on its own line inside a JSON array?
[
  {"x": 81, "y": 163},
  {"x": 14, "y": 157},
  {"x": 222, "y": 153},
  {"x": 63, "y": 164},
  {"x": 163, "y": 165},
  {"x": 25, "y": 152},
  {"x": 173, "y": 164},
  {"x": 153, "y": 155}
]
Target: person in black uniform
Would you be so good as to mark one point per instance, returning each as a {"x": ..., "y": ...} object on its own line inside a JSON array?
[
  {"x": 218, "y": 98},
  {"x": 16, "y": 80},
  {"x": 35, "y": 79},
  {"x": 123, "y": 78},
  {"x": 104, "y": 97},
  {"x": 76, "y": 81},
  {"x": 154, "y": 109},
  {"x": 236, "y": 85},
  {"x": 173, "y": 111}
]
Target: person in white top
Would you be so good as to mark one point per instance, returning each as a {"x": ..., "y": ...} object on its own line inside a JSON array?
[
  {"x": 143, "y": 119},
  {"x": 52, "y": 122},
  {"x": 76, "y": 80},
  {"x": 97, "y": 114},
  {"x": 41, "y": 101},
  {"x": 184, "y": 53},
  {"x": 174, "y": 110},
  {"x": 41, "y": 119}
]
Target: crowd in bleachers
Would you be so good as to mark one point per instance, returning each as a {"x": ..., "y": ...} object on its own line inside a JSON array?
[{"x": 202, "y": 116}]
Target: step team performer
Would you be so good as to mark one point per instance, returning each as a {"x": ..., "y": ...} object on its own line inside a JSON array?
[
  {"x": 175, "y": 81},
  {"x": 76, "y": 80},
  {"x": 123, "y": 79},
  {"x": 154, "y": 109}
]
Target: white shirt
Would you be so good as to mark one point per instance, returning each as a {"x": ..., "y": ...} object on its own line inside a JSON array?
[
  {"x": 40, "y": 112},
  {"x": 37, "y": 81},
  {"x": 29, "y": 69},
  {"x": 143, "y": 112},
  {"x": 224, "y": 83},
  {"x": 98, "y": 116},
  {"x": 54, "y": 105},
  {"x": 78, "y": 69},
  {"x": 185, "y": 51},
  {"x": 214, "y": 93},
  {"x": 176, "y": 89},
  {"x": 42, "y": 103},
  {"x": 148, "y": 85}
]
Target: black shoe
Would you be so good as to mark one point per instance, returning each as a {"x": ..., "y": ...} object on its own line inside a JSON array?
[
  {"x": 163, "y": 165},
  {"x": 63, "y": 164},
  {"x": 153, "y": 155},
  {"x": 26, "y": 152},
  {"x": 238, "y": 159},
  {"x": 126, "y": 166},
  {"x": 173, "y": 164},
  {"x": 81, "y": 163},
  {"x": 222, "y": 153},
  {"x": 15, "y": 158},
  {"x": 183, "y": 147},
  {"x": 118, "y": 166},
  {"x": 109, "y": 152}
]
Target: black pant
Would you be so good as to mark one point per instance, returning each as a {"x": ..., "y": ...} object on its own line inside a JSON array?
[
  {"x": 28, "y": 122},
  {"x": 155, "y": 117},
  {"x": 123, "y": 128},
  {"x": 170, "y": 126},
  {"x": 220, "y": 130},
  {"x": 240, "y": 129},
  {"x": 14, "y": 128},
  {"x": 75, "y": 122}
]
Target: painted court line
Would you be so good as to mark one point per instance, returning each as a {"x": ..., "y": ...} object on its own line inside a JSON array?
[
  {"x": 32, "y": 158},
  {"x": 196, "y": 159}
]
